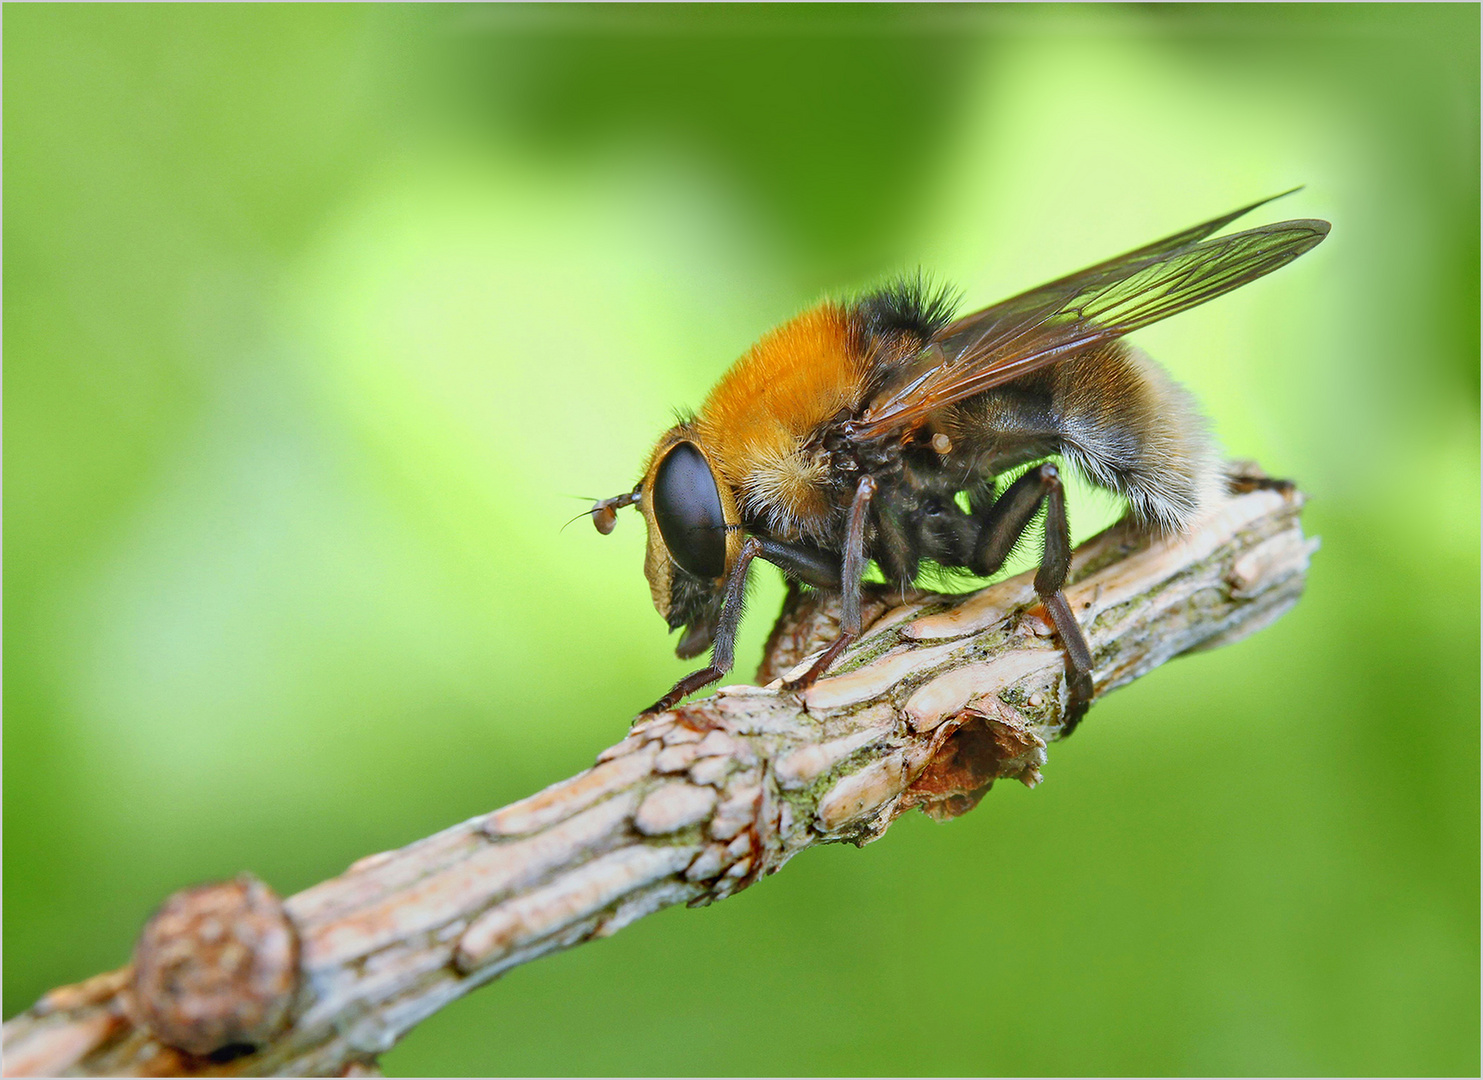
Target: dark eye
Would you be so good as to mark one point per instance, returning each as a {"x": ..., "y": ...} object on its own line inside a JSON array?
[{"x": 687, "y": 507}]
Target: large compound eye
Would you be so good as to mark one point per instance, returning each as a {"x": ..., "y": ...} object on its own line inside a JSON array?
[{"x": 687, "y": 508}]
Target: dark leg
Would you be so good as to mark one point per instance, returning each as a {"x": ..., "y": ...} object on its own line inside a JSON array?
[
  {"x": 1006, "y": 520},
  {"x": 725, "y": 643},
  {"x": 801, "y": 562},
  {"x": 1240, "y": 485},
  {"x": 854, "y": 569},
  {"x": 896, "y": 551},
  {"x": 1004, "y": 524}
]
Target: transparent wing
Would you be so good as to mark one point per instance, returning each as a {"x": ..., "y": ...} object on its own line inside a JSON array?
[{"x": 1061, "y": 319}]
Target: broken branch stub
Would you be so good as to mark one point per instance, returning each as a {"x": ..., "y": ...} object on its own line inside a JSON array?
[{"x": 941, "y": 697}]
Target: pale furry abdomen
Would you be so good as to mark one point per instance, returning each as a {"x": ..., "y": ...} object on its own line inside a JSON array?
[
  {"x": 1116, "y": 417},
  {"x": 1128, "y": 426}
]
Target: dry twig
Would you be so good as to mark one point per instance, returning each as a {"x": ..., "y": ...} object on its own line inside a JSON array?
[{"x": 941, "y": 697}]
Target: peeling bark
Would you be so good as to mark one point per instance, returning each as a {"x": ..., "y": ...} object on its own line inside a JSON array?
[{"x": 942, "y": 696}]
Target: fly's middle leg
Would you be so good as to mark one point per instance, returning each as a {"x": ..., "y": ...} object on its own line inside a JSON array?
[{"x": 850, "y": 620}]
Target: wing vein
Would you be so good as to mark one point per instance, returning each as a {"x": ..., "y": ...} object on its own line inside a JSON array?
[{"x": 1057, "y": 320}]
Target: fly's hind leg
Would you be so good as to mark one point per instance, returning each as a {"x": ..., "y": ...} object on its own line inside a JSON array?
[
  {"x": 1246, "y": 476},
  {"x": 1003, "y": 525},
  {"x": 1241, "y": 484}
]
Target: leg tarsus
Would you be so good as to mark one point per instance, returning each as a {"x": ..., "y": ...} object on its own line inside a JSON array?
[
  {"x": 821, "y": 665},
  {"x": 1078, "y": 660},
  {"x": 688, "y": 685}
]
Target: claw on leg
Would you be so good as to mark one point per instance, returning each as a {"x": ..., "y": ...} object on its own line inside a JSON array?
[
  {"x": 1078, "y": 660},
  {"x": 821, "y": 665}
]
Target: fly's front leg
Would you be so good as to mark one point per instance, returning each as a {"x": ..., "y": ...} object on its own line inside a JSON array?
[
  {"x": 849, "y": 586},
  {"x": 1004, "y": 524},
  {"x": 724, "y": 648},
  {"x": 803, "y": 563}
]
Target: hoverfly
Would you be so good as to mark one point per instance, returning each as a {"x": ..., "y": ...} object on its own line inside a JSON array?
[{"x": 883, "y": 429}]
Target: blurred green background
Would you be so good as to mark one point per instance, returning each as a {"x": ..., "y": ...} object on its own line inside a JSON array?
[{"x": 315, "y": 317}]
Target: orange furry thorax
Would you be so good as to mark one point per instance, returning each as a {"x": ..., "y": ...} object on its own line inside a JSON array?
[{"x": 756, "y": 421}]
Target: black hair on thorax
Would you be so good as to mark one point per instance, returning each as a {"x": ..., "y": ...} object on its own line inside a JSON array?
[{"x": 910, "y": 304}]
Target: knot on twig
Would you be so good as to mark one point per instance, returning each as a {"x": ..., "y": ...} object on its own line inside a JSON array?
[
  {"x": 969, "y": 753},
  {"x": 216, "y": 969}
]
